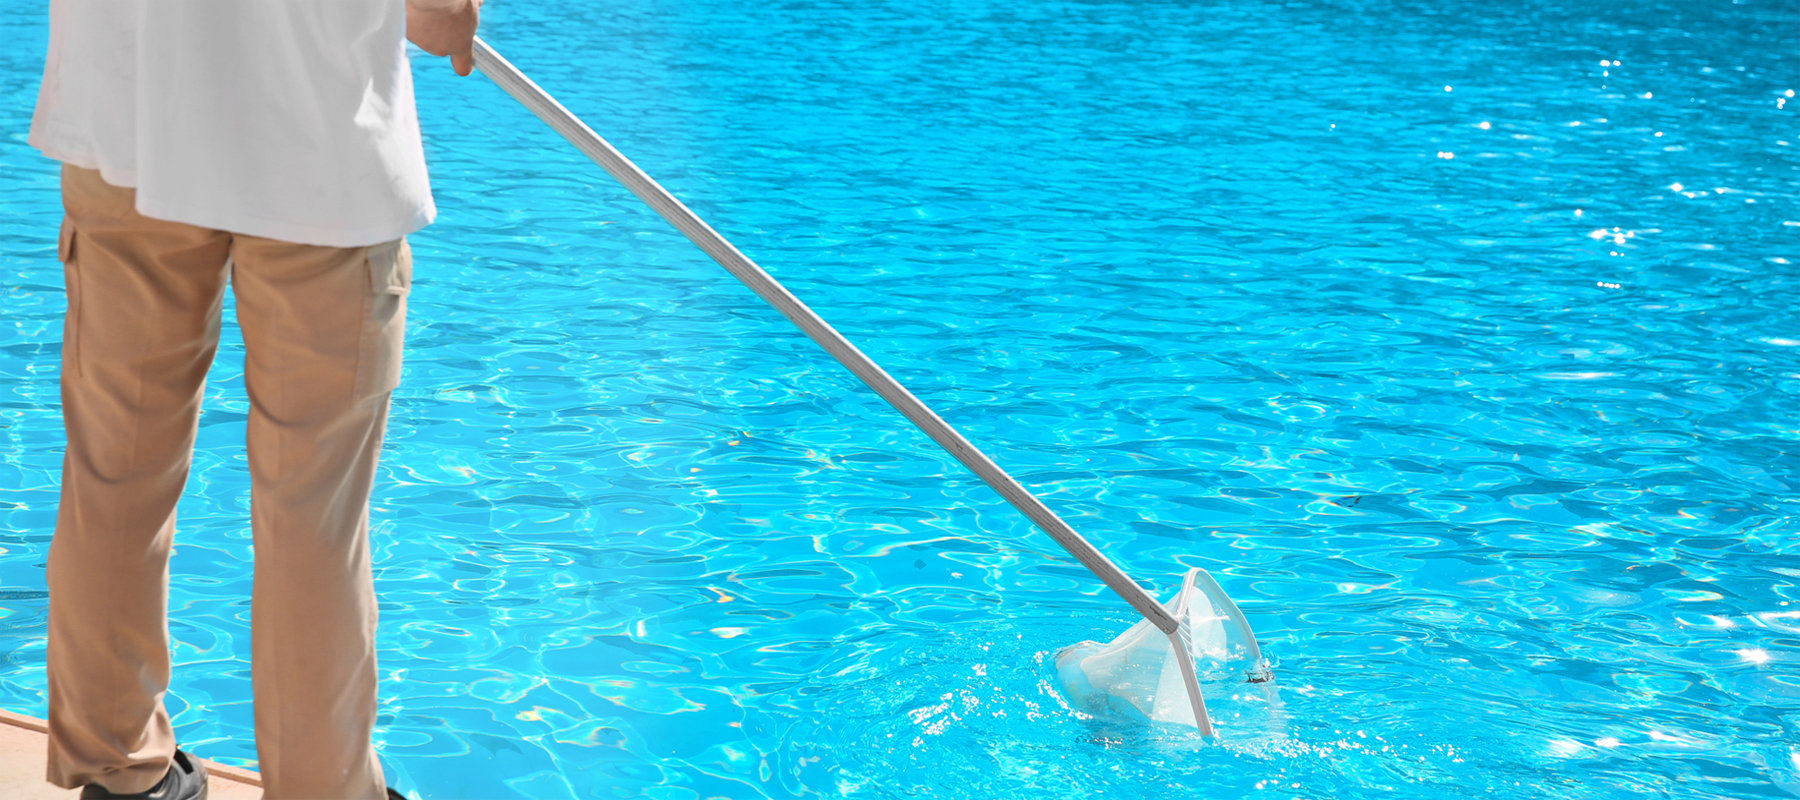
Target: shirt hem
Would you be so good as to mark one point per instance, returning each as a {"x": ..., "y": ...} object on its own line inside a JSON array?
[
  {"x": 60, "y": 149},
  {"x": 291, "y": 232}
]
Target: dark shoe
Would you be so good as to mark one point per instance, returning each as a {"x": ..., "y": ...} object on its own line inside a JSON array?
[{"x": 185, "y": 780}]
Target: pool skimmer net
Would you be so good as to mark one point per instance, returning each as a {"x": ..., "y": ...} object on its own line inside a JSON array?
[
  {"x": 1151, "y": 668},
  {"x": 1145, "y": 673}
]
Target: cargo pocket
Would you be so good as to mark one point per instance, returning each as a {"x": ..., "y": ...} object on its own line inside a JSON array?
[
  {"x": 384, "y": 318},
  {"x": 65, "y": 252},
  {"x": 390, "y": 268}
]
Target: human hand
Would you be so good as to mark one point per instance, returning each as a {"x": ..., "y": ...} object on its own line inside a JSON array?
[{"x": 445, "y": 28}]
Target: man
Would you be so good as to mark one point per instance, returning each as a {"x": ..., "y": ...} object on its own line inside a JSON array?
[{"x": 272, "y": 143}]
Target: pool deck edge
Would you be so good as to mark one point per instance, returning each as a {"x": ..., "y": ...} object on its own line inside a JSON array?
[{"x": 24, "y": 741}]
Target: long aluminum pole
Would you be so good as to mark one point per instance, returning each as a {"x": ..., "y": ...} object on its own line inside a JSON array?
[{"x": 522, "y": 89}]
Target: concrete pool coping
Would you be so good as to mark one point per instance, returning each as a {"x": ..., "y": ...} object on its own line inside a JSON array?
[{"x": 24, "y": 741}]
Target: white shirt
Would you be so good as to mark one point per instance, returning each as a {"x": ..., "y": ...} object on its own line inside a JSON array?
[{"x": 285, "y": 119}]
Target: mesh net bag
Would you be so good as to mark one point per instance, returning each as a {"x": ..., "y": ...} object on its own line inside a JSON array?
[{"x": 1140, "y": 675}]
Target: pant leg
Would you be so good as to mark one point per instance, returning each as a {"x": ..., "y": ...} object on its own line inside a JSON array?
[
  {"x": 141, "y": 330},
  {"x": 322, "y": 333}
]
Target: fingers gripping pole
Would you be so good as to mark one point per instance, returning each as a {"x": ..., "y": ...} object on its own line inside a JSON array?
[{"x": 522, "y": 89}]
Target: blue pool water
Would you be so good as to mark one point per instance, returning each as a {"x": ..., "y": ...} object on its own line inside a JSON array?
[{"x": 1390, "y": 314}]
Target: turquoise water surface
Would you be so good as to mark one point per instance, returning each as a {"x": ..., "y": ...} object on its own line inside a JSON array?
[{"x": 1458, "y": 340}]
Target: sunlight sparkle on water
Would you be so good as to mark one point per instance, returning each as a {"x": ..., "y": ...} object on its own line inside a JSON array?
[
  {"x": 1565, "y": 747},
  {"x": 1754, "y": 655}
]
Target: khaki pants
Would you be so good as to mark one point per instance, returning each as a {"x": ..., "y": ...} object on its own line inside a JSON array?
[{"x": 322, "y": 333}]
